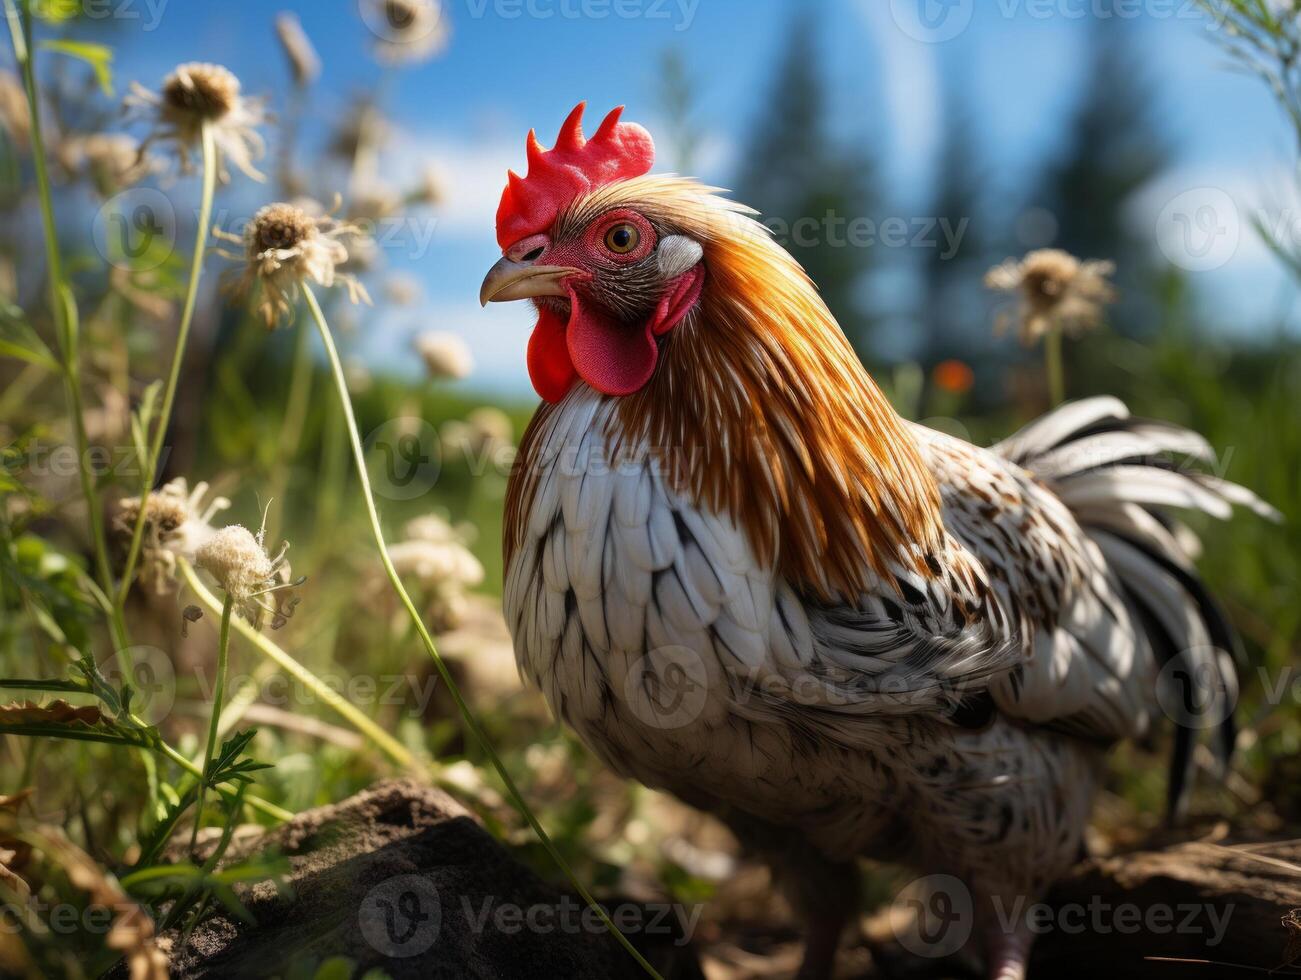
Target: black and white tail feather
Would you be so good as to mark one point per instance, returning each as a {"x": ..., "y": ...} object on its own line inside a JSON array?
[{"x": 1119, "y": 475}]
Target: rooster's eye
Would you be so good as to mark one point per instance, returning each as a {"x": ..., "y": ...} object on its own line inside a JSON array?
[{"x": 622, "y": 239}]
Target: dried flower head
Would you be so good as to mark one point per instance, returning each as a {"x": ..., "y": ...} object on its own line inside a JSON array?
[
  {"x": 195, "y": 95},
  {"x": 408, "y": 31},
  {"x": 304, "y": 62},
  {"x": 177, "y": 524},
  {"x": 14, "y": 117},
  {"x": 236, "y": 558},
  {"x": 111, "y": 161},
  {"x": 285, "y": 245},
  {"x": 435, "y": 554},
  {"x": 446, "y": 355},
  {"x": 1058, "y": 293}
]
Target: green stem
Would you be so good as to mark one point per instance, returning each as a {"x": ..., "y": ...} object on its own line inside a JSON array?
[
  {"x": 391, "y": 747},
  {"x": 174, "y": 375},
  {"x": 291, "y": 428},
  {"x": 359, "y": 458},
  {"x": 256, "y": 802},
  {"x": 1053, "y": 362},
  {"x": 218, "y": 694},
  {"x": 63, "y": 306}
]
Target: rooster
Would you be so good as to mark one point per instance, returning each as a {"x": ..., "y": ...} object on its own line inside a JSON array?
[{"x": 741, "y": 577}]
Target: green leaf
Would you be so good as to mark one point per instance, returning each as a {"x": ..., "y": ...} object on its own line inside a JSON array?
[
  {"x": 56, "y": 11},
  {"x": 98, "y": 56},
  {"x": 18, "y": 339}
]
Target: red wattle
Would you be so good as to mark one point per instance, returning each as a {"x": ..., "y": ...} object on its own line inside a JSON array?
[
  {"x": 550, "y": 369},
  {"x": 612, "y": 357}
]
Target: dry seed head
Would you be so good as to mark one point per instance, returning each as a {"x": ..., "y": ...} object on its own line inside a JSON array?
[
  {"x": 234, "y": 557},
  {"x": 409, "y": 31},
  {"x": 279, "y": 226},
  {"x": 206, "y": 90},
  {"x": 304, "y": 62},
  {"x": 177, "y": 522},
  {"x": 194, "y": 96},
  {"x": 1058, "y": 292},
  {"x": 286, "y": 245},
  {"x": 446, "y": 356},
  {"x": 164, "y": 515}
]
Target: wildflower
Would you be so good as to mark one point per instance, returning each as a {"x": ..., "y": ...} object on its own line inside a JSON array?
[
  {"x": 112, "y": 161},
  {"x": 195, "y": 94},
  {"x": 235, "y": 557},
  {"x": 1058, "y": 292},
  {"x": 14, "y": 117},
  {"x": 284, "y": 245},
  {"x": 953, "y": 376},
  {"x": 304, "y": 62},
  {"x": 409, "y": 31},
  {"x": 446, "y": 355},
  {"x": 177, "y": 524}
]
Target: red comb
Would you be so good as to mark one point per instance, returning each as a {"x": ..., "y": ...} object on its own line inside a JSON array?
[{"x": 574, "y": 166}]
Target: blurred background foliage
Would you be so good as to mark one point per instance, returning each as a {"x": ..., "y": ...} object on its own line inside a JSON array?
[{"x": 255, "y": 419}]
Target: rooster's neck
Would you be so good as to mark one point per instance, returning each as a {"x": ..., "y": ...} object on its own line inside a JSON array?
[{"x": 761, "y": 409}]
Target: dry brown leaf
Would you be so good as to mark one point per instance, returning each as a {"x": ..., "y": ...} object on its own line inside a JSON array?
[
  {"x": 60, "y": 712},
  {"x": 14, "y": 853}
]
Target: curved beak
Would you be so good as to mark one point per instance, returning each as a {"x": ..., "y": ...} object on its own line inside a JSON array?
[{"x": 509, "y": 280}]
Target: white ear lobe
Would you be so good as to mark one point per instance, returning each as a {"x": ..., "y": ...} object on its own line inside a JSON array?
[{"x": 677, "y": 254}]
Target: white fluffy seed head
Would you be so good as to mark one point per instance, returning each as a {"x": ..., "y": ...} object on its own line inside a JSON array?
[
  {"x": 446, "y": 356},
  {"x": 234, "y": 557}
]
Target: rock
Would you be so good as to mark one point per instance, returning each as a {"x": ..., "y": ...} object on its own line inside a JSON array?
[
  {"x": 403, "y": 878},
  {"x": 1196, "y": 910},
  {"x": 1226, "y": 908}
]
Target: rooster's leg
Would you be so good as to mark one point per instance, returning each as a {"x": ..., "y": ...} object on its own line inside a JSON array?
[
  {"x": 823, "y": 892},
  {"x": 825, "y": 895}
]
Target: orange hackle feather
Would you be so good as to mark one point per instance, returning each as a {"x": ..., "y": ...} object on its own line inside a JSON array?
[{"x": 760, "y": 409}]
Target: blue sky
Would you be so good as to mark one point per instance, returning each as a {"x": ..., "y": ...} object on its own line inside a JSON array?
[{"x": 513, "y": 64}]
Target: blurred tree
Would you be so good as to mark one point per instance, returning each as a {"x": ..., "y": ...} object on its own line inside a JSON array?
[
  {"x": 1113, "y": 147},
  {"x": 954, "y": 311},
  {"x": 677, "y": 100},
  {"x": 810, "y": 188}
]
